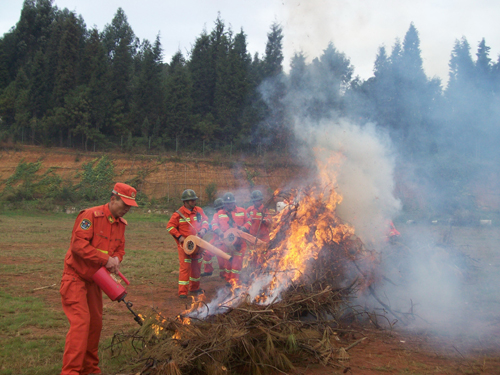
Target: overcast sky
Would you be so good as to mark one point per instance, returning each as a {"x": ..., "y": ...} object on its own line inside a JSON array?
[{"x": 356, "y": 27}]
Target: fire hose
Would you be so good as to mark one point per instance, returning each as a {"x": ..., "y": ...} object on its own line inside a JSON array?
[
  {"x": 114, "y": 290},
  {"x": 193, "y": 243},
  {"x": 232, "y": 235}
]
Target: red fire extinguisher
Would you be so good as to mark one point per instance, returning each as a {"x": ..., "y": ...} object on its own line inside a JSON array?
[{"x": 113, "y": 289}]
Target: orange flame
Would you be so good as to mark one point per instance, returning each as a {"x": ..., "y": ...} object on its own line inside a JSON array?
[{"x": 309, "y": 222}]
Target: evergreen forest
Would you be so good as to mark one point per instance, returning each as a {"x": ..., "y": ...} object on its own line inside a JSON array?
[{"x": 63, "y": 84}]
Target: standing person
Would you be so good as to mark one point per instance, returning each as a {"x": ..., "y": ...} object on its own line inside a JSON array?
[
  {"x": 231, "y": 217},
  {"x": 188, "y": 220},
  {"x": 97, "y": 240},
  {"x": 208, "y": 257},
  {"x": 259, "y": 217}
]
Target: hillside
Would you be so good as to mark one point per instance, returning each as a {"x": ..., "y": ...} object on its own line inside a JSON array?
[{"x": 163, "y": 176}]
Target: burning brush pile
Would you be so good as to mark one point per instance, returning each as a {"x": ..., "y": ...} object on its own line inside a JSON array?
[{"x": 293, "y": 305}]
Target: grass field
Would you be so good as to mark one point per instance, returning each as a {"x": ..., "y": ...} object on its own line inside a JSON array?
[
  {"x": 33, "y": 326},
  {"x": 32, "y": 249}
]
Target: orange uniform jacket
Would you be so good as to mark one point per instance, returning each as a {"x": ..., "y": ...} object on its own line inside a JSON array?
[
  {"x": 259, "y": 227},
  {"x": 96, "y": 237},
  {"x": 177, "y": 226},
  {"x": 239, "y": 219},
  {"x": 224, "y": 221},
  {"x": 189, "y": 265}
]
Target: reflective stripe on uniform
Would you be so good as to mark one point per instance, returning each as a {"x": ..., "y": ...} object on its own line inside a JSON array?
[
  {"x": 103, "y": 251},
  {"x": 183, "y": 221},
  {"x": 169, "y": 229},
  {"x": 239, "y": 214},
  {"x": 193, "y": 279},
  {"x": 235, "y": 271},
  {"x": 200, "y": 260},
  {"x": 223, "y": 215},
  {"x": 238, "y": 254},
  {"x": 187, "y": 260},
  {"x": 183, "y": 282}
]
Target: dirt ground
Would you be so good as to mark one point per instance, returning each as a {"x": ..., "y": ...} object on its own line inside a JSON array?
[
  {"x": 164, "y": 176},
  {"x": 401, "y": 350}
]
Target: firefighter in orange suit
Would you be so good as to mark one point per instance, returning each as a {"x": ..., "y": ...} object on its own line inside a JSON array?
[
  {"x": 188, "y": 220},
  {"x": 97, "y": 240},
  {"x": 208, "y": 257},
  {"x": 232, "y": 217},
  {"x": 259, "y": 217}
]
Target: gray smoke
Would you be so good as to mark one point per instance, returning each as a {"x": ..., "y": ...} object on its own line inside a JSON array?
[{"x": 364, "y": 172}]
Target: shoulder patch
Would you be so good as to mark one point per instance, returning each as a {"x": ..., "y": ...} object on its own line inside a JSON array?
[
  {"x": 123, "y": 220},
  {"x": 98, "y": 213},
  {"x": 85, "y": 224}
]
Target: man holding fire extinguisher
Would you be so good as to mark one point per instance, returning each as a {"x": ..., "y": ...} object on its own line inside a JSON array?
[{"x": 97, "y": 240}]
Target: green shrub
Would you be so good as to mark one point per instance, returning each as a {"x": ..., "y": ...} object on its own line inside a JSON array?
[
  {"x": 97, "y": 180},
  {"x": 26, "y": 184},
  {"x": 211, "y": 191}
]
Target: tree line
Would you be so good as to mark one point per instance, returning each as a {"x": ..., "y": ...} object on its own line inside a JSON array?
[{"x": 62, "y": 84}]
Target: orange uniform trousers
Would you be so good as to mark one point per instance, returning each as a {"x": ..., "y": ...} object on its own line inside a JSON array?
[
  {"x": 232, "y": 268},
  {"x": 189, "y": 271},
  {"x": 82, "y": 304},
  {"x": 209, "y": 258}
]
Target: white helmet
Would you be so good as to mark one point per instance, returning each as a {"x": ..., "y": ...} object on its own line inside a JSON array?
[{"x": 280, "y": 206}]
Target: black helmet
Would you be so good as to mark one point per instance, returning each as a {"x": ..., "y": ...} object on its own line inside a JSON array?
[
  {"x": 228, "y": 198},
  {"x": 256, "y": 196},
  {"x": 188, "y": 195},
  {"x": 218, "y": 203}
]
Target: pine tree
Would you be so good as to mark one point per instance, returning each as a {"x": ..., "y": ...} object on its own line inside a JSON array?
[
  {"x": 67, "y": 68},
  {"x": 95, "y": 75},
  {"x": 4, "y": 64},
  {"x": 232, "y": 87},
  {"x": 273, "y": 91},
  {"x": 483, "y": 69},
  {"x": 148, "y": 93},
  {"x": 121, "y": 44},
  {"x": 33, "y": 29},
  {"x": 179, "y": 104},
  {"x": 273, "y": 59},
  {"x": 411, "y": 57},
  {"x": 203, "y": 75},
  {"x": 38, "y": 93}
]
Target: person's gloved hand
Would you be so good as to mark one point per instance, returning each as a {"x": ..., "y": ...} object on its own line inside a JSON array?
[
  {"x": 243, "y": 229},
  {"x": 202, "y": 232}
]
